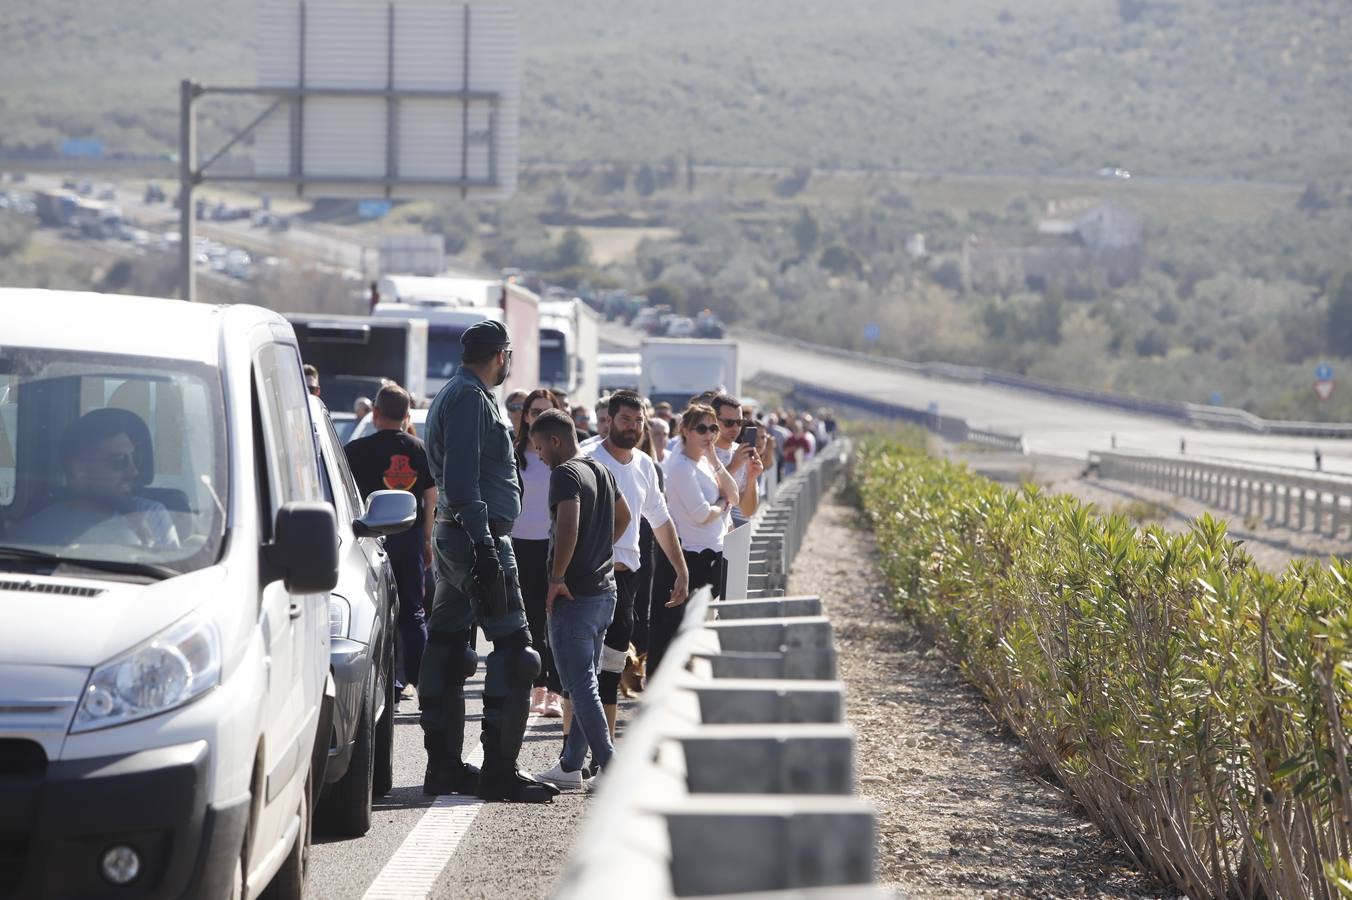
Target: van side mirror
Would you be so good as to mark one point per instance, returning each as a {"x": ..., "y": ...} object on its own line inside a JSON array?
[
  {"x": 305, "y": 547},
  {"x": 387, "y": 512}
]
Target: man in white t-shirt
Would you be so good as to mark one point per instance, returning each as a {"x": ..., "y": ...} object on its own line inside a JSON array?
[
  {"x": 636, "y": 476},
  {"x": 741, "y": 460}
]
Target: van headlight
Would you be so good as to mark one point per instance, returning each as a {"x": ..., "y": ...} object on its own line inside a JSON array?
[
  {"x": 340, "y": 616},
  {"x": 176, "y": 666}
]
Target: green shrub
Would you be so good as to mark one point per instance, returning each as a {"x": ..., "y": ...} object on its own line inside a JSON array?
[{"x": 1197, "y": 707}]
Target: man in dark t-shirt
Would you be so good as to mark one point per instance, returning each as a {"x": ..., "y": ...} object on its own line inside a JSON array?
[
  {"x": 588, "y": 514},
  {"x": 391, "y": 459}
]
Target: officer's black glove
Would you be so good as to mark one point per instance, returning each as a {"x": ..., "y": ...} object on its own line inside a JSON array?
[{"x": 487, "y": 566}]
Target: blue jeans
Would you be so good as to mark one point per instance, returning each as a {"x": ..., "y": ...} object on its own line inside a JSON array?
[{"x": 577, "y": 630}]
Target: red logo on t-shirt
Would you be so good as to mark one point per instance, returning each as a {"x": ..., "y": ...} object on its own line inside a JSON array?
[{"x": 400, "y": 476}]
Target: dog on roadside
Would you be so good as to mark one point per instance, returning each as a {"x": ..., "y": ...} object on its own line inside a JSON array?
[{"x": 635, "y": 669}]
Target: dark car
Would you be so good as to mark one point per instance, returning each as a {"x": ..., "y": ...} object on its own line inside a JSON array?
[{"x": 363, "y": 612}]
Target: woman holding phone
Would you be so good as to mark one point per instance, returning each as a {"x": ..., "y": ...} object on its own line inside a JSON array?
[
  {"x": 699, "y": 494},
  {"x": 530, "y": 543}
]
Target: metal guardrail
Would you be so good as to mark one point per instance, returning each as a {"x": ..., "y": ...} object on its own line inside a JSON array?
[
  {"x": 736, "y": 777},
  {"x": 1196, "y": 414},
  {"x": 1282, "y": 498},
  {"x": 950, "y": 428}
]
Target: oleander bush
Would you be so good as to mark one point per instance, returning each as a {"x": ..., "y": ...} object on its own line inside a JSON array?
[{"x": 1197, "y": 707}]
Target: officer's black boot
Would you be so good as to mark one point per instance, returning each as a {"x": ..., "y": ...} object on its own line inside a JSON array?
[
  {"x": 446, "y": 773},
  {"x": 501, "y": 780}
]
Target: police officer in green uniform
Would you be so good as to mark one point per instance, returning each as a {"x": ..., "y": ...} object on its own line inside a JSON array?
[{"x": 469, "y": 448}]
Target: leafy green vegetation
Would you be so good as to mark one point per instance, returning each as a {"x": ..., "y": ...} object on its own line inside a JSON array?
[{"x": 1197, "y": 707}]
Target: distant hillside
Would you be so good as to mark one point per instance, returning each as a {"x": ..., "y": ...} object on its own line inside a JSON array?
[{"x": 1203, "y": 88}]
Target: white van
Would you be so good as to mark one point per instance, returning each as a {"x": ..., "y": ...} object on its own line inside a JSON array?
[{"x": 166, "y": 559}]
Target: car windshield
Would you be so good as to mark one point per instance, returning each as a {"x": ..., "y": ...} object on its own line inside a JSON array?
[
  {"x": 553, "y": 358},
  {"x": 443, "y": 350},
  {"x": 108, "y": 460}
]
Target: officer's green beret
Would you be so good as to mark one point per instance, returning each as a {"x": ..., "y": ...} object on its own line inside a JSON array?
[{"x": 488, "y": 331}]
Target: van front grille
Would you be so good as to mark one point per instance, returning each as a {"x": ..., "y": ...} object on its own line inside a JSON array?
[{"x": 46, "y": 587}]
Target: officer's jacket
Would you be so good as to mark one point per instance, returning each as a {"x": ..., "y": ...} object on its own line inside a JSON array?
[{"x": 469, "y": 448}]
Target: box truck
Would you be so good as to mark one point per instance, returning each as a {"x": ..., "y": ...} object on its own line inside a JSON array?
[
  {"x": 676, "y": 370},
  {"x": 570, "y": 344},
  {"x": 450, "y": 305}
]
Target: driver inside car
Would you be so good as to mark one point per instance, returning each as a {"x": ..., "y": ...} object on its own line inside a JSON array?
[{"x": 105, "y": 455}]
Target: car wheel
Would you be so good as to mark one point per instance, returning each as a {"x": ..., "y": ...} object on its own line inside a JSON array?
[
  {"x": 345, "y": 809},
  {"x": 384, "y": 751},
  {"x": 289, "y": 882}
]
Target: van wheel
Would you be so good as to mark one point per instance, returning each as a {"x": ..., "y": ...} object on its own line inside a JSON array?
[
  {"x": 345, "y": 809},
  {"x": 384, "y": 767},
  {"x": 289, "y": 882}
]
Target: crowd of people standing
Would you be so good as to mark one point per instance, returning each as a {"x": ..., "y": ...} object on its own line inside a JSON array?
[{"x": 572, "y": 537}]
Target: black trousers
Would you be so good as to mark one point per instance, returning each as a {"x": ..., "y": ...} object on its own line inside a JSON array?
[
  {"x": 618, "y": 637},
  {"x": 706, "y": 568},
  {"x": 643, "y": 585},
  {"x": 532, "y": 567}
]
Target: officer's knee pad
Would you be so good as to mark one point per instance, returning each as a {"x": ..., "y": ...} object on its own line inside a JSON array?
[
  {"x": 613, "y": 660},
  {"x": 469, "y": 662},
  {"x": 462, "y": 659},
  {"x": 524, "y": 667},
  {"x": 514, "y": 666}
]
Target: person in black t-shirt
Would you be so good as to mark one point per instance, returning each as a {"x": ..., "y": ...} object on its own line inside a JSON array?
[
  {"x": 393, "y": 460},
  {"x": 588, "y": 515}
]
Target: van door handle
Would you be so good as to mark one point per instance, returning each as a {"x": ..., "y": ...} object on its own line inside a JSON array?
[{"x": 295, "y": 609}]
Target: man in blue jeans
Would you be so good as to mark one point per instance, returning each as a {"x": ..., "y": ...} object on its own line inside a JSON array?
[{"x": 588, "y": 514}]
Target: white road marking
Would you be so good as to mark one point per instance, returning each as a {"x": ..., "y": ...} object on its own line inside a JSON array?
[{"x": 413, "y": 870}]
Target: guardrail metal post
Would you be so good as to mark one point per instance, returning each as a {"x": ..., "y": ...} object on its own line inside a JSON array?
[{"x": 1300, "y": 508}]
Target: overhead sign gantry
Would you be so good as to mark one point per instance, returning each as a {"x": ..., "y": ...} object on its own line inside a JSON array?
[{"x": 397, "y": 100}]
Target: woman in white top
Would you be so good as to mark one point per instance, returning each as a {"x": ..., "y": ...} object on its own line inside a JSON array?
[
  {"x": 699, "y": 493},
  {"x": 530, "y": 543}
]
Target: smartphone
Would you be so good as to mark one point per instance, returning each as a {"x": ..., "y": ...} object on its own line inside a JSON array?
[{"x": 750, "y": 434}]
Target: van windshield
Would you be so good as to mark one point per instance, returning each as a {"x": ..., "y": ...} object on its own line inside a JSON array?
[
  {"x": 443, "y": 349},
  {"x": 110, "y": 459},
  {"x": 553, "y": 358}
]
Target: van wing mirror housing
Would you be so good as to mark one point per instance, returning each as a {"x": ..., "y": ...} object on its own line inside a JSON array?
[
  {"x": 387, "y": 512},
  {"x": 304, "y": 550}
]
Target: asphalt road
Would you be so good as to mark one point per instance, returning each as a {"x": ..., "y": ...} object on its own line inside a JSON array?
[
  {"x": 1052, "y": 426},
  {"x": 510, "y": 851}
]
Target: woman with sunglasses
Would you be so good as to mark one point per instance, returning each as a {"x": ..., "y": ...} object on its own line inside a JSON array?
[
  {"x": 699, "y": 493},
  {"x": 530, "y": 543}
]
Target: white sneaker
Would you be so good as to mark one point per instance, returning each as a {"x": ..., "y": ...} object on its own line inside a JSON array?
[
  {"x": 564, "y": 781},
  {"x": 594, "y": 781}
]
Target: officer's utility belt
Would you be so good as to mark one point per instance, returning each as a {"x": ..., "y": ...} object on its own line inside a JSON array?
[{"x": 498, "y": 529}]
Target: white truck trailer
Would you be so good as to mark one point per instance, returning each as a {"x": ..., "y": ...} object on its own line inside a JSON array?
[
  {"x": 676, "y": 370},
  {"x": 450, "y": 305},
  {"x": 570, "y": 345}
]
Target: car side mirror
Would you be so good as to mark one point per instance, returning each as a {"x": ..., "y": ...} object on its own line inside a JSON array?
[
  {"x": 387, "y": 512},
  {"x": 305, "y": 547}
]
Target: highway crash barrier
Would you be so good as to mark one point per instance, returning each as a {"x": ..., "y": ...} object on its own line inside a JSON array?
[
  {"x": 1197, "y": 414},
  {"x": 1279, "y": 497},
  {"x": 737, "y": 776},
  {"x": 950, "y": 428}
]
